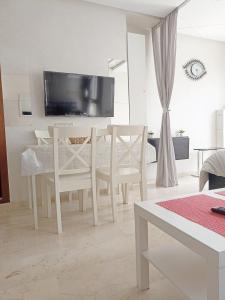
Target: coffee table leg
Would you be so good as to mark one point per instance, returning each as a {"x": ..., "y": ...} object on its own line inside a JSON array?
[
  {"x": 215, "y": 282},
  {"x": 142, "y": 265}
]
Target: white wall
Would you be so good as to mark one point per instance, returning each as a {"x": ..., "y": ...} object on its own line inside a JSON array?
[
  {"x": 193, "y": 103},
  {"x": 59, "y": 35},
  {"x": 75, "y": 36}
]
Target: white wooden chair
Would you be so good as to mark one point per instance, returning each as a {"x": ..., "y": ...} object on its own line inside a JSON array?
[
  {"x": 43, "y": 137},
  {"x": 81, "y": 176},
  {"x": 66, "y": 124},
  {"x": 125, "y": 168}
]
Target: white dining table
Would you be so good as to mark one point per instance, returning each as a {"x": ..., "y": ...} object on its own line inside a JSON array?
[{"x": 38, "y": 160}]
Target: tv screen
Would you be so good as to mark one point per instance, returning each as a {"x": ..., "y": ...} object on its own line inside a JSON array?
[{"x": 76, "y": 94}]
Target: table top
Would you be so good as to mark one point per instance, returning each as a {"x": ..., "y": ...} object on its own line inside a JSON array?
[
  {"x": 196, "y": 237},
  {"x": 209, "y": 149}
]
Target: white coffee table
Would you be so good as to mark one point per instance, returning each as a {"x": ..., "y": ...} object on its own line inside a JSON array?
[{"x": 196, "y": 266}]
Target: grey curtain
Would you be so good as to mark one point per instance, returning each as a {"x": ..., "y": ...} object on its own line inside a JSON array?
[{"x": 164, "y": 48}]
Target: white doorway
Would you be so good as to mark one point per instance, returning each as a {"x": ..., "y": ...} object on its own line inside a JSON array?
[
  {"x": 136, "y": 47},
  {"x": 118, "y": 70}
]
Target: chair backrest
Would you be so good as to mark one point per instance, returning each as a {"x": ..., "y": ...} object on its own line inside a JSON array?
[
  {"x": 43, "y": 137},
  {"x": 101, "y": 134},
  {"x": 74, "y": 159},
  {"x": 128, "y": 146}
]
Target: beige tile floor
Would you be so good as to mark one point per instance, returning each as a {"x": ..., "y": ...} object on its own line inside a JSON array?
[{"x": 84, "y": 263}]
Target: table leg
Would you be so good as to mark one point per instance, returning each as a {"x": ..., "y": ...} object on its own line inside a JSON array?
[
  {"x": 215, "y": 282},
  {"x": 34, "y": 201},
  {"x": 142, "y": 265},
  {"x": 83, "y": 197},
  {"x": 29, "y": 191}
]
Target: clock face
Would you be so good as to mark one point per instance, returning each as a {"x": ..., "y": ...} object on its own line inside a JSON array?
[{"x": 195, "y": 69}]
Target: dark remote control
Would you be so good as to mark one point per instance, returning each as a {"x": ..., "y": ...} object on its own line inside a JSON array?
[{"x": 218, "y": 210}]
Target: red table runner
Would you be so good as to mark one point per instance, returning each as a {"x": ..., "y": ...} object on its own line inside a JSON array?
[
  {"x": 221, "y": 193},
  {"x": 198, "y": 209}
]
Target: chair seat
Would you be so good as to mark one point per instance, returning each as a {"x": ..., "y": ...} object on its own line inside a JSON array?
[
  {"x": 123, "y": 174},
  {"x": 72, "y": 182}
]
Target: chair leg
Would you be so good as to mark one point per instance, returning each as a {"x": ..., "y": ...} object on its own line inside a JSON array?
[
  {"x": 85, "y": 199},
  {"x": 125, "y": 193},
  {"x": 58, "y": 212},
  {"x": 29, "y": 191},
  {"x": 42, "y": 192},
  {"x": 143, "y": 190},
  {"x": 81, "y": 201},
  {"x": 94, "y": 203},
  {"x": 113, "y": 200},
  {"x": 70, "y": 197},
  {"x": 108, "y": 188},
  {"x": 49, "y": 201}
]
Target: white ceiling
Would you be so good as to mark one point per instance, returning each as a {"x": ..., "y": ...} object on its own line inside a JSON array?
[
  {"x": 200, "y": 18},
  {"x": 158, "y": 8},
  {"x": 203, "y": 18}
]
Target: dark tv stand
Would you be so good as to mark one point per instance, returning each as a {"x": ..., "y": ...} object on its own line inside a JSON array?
[{"x": 181, "y": 146}]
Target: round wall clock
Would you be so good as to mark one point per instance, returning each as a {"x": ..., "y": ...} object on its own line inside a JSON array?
[{"x": 195, "y": 69}]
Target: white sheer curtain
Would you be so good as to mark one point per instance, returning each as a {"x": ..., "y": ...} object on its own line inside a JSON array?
[{"x": 164, "y": 48}]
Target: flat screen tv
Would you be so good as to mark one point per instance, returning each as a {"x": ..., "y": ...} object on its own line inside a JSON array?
[{"x": 68, "y": 94}]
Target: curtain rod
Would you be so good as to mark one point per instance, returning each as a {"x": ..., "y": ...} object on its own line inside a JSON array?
[{"x": 178, "y": 7}]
